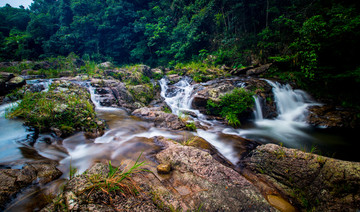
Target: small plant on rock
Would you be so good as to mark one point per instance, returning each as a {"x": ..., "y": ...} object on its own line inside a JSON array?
[{"x": 117, "y": 180}]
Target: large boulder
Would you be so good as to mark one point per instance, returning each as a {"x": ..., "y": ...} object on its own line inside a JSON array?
[
  {"x": 13, "y": 180},
  {"x": 214, "y": 89},
  {"x": 15, "y": 82},
  {"x": 198, "y": 180},
  {"x": 259, "y": 70},
  {"x": 142, "y": 93},
  {"x": 113, "y": 93},
  {"x": 6, "y": 76},
  {"x": 333, "y": 117},
  {"x": 160, "y": 118},
  {"x": 310, "y": 181}
]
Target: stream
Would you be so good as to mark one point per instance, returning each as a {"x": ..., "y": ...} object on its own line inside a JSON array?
[{"x": 128, "y": 136}]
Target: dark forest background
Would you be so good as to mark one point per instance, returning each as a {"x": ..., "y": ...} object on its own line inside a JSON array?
[{"x": 314, "y": 42}]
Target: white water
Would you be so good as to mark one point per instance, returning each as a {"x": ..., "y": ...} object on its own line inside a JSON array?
[
  {"x": 290, "y": 125},
  {"x": 258, "y": 110},
  {"x": 179, "y": 98},
  {"x": 124, "y": 135}
]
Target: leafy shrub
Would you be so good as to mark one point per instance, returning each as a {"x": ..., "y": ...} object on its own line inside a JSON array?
[{"x": 232, "y": 105}]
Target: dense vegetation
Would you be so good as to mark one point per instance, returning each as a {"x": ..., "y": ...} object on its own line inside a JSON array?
[{"x": 311, "y": 41}]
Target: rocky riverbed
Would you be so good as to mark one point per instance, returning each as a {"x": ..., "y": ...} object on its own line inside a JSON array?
[{"x": 200, "y": 173}]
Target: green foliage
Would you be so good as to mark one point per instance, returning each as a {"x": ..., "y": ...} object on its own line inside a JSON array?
[
  {"x": 232, "y": 105},
  {"x": 117, "y": 180},
  {"x": 317, "y": 42},
  {"x": 191, "y": 126}
]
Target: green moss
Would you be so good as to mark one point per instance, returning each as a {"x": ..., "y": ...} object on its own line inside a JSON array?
[
  {"x": 68, "y": 110},
  {"x": 142, "y": 93}
]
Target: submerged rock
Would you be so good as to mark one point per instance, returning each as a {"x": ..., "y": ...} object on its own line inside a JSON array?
[{"x": 311, "y": 181}]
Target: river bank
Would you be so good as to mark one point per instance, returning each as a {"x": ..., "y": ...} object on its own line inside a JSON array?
[{"x": 175, "y": 108}]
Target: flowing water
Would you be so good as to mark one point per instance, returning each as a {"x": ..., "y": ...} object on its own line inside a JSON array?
[
  {"x": 127, "y": 136},
  {"x": 289, "y": 128}
]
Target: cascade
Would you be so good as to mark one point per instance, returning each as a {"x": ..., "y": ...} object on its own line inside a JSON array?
[
  {"x": 290, "y": 125},
  {"x": 178, "y": 98},
  {"x": 258, "y": 110}
]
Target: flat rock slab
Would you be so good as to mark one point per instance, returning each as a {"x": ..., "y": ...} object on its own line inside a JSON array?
[{"x": 197, "y": 180}]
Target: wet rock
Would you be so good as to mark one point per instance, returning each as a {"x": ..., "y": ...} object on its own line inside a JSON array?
[
  {"x": 142, "y": 93},
  {"x": 106, "y": 65},
  {"x": 114, "y": 93},
  {"x": 258, "y": 70},
  {"x": 331, "y": 116},
  {"x": 13, "y": 180},
  {"x": 123, "y": 96},
  {"x": 174, "y": 78},
  {"x": 101, "y": 91},
  {"x": 163, "y": 168},
  {"x": 214, "y": 89},
  {"x": 310, "y": 181},
  {"x": 15, "y": 82},
  {"x": 6, "y": 76},
  {"x": 160, "y": 118},
  {"x": 36, "y": 88}
]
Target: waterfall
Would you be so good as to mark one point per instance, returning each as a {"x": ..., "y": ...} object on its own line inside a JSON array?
[
  {"x": 179, "y": 96},
  {"x": 258, "y": 110},
  {"x": 290, "y": 125},
  {"x": 291, "y": 104}
]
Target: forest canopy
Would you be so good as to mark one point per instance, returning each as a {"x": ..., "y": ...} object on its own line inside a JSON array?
[{"x": 314, "y": 39}]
